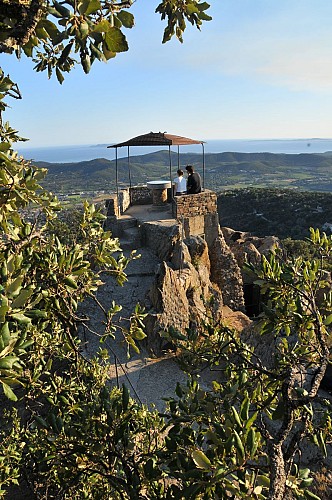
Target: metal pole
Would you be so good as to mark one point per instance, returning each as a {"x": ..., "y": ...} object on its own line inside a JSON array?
[
  {"x": 178, "y": 157},
  {"x": 129, "y": 168},
  {"x": 203, "y": 165},
  {"x": 170, "y": 168},
  {"x": 116, "y": 179}
]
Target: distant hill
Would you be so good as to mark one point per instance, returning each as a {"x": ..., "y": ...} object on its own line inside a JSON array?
[
  {"x": 283, "y": 213},
  {"x": 227, "y": 170}
]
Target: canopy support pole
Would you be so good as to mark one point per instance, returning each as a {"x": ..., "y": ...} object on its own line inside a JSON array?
[
  {"x": 170, "y": 168},
  {"x": 178, "y": 157},
  {"x": 129, "y": 173},
  {"x": 203, "y": 165},
  {"x": 117, "y": 180}
]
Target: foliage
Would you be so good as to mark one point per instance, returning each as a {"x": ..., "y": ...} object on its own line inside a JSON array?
[
  {"x": 246, "y": 437},
  {"x": 283, "y": 213},
  {"x": 53, "y": 33},
  {"x": 235, "y": 173},
  {"x": 44, "y": 277}
]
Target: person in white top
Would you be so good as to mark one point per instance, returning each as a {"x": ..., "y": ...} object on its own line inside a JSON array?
[{"x": 180, "y": 184}]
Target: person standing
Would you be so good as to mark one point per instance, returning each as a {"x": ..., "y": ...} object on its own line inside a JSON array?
[
  {"x": 194, "y": 183},
  {"x": 179, "y": 184}
]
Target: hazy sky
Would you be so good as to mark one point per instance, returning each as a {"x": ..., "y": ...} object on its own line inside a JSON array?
[{"x": 260, "y": 69}]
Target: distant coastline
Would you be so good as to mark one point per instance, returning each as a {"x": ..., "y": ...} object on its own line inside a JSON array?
[{"x": 68, "y": 154}]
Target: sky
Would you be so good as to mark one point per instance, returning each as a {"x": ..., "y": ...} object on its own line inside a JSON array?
[{"x": 260, "y": 69}]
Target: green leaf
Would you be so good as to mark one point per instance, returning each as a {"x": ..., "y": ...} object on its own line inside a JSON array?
[
  {"x": 252, "y": 442},
  {"x": 203, "y": 6},
  {"x": 84, "y": 29},
  {"x": 8, "y": 392},
  {"x": 70, "y": 281},
  {"x": 21, "y": 318},
  {"x": 201, "y": 460},
  {"x": 50, "y": 27},
  {"x": 4, "y": 146},
  {"x": 191, "y": 8},
  {"x": 93, "y": 6},
  {"x": 37, "y": 313},
  {"x": 138, "y": 334},
  {"x": 63, "y": 11},
  {"x": 205, "y": 17},
  {"x": 103, "y": 27},
  {"x": 88, "y": 7},
  {"x": 116, "y": 41},
  {"x": 304, "y": 473},
  {"x": 59, "y": 75},
  {"x": 22, "y": 298},
  {"x": 41, "y": 33},
  {"x": 64, "y": 54},
  {"x": 328, "y": 320},
  {"x": 245, "y": 409},
  {"x": 236, "y": 417},
  {"x": 97, "y": 53},
  {"x": 8, "y": 362},
  {"x": 126, "y": 18},
  {"x": 15, "y": 285},
  {"x": 263, "y": 481},
  {"x": 86, "y": 65},
  {"x": 311, "y": 496},
  {"x": 238, "y": 445}
]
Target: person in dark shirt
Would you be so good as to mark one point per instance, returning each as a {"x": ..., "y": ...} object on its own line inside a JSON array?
[{"x": 194, "y": 183}]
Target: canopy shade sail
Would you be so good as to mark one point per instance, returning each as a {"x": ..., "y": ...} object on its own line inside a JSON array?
[{"x": 157, "y": 139}]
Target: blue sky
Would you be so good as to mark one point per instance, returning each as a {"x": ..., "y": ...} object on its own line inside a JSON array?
[{"x": 260, "y": 69}]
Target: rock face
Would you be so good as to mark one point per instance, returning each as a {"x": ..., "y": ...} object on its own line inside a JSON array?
[
  {"x": 194, "y": 285},
  {"x": 226, "y": 272},
  {"x": 248, "y": 248},
  {"x": 183, "y": 295}
]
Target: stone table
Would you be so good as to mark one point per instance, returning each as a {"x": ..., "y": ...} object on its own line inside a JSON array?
[{"x": 159, "y": 191}]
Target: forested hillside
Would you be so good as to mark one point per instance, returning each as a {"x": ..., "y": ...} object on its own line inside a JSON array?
[
  {"x": 311, "y": 172},
  {"x": 283, "y": 213}
]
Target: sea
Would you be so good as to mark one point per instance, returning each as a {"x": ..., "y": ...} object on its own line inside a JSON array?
[{"x": 70, "y": 154}]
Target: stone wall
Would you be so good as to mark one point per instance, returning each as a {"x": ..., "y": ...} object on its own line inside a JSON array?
[
  {"x": 198, "y": 215},
  {"x": 111, "y": 205},
  {"x": 191, "y": 205},
  {"x": 140, "y": 195},
  {"x": 115, "y": 205},
  {"x": 136, "y": 195}
]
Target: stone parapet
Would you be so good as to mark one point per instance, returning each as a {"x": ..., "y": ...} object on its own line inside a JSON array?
[
  {"x": 112, "y": 207},
  {"x": 191, "y": 205}
]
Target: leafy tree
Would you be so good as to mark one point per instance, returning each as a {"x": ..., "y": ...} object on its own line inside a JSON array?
[
  {"x": 52, "y": 33},
  {"x": 44, "y": 277},
  {"x": 245, "y": 438}
]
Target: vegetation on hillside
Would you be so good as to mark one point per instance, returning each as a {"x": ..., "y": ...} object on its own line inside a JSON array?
[
  {"x": 279, "y": 212},
  {"x": 303, "y": 172}
]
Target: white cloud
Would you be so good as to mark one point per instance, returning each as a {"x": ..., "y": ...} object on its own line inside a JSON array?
[
  {"x": 288, "y": 46},
  {"x": 298, "y": 64}
]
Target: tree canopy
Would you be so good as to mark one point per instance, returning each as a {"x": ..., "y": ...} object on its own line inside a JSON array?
[{"x": 57, "y": 35}]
